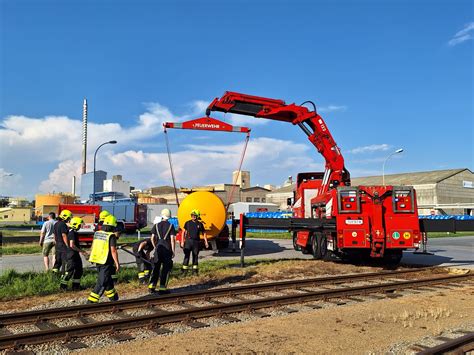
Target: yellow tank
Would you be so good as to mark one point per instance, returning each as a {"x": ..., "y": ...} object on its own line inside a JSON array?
[{"x": 212, "y": 209}]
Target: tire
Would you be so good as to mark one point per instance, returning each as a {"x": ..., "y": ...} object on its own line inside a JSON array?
[
  {"x": 296, "y": 246},
  {"x": 315, "y": 246},
  {"x": 323, "y": 247},
  {"x": 392, "y": 257}
]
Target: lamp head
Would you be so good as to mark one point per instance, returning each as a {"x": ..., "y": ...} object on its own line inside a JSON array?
[
  {"x": 399, "y": 150},
  {"x": 113, "y": 142}
]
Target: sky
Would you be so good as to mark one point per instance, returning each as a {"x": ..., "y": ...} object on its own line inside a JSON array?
[{"x": 383, "y": 74}]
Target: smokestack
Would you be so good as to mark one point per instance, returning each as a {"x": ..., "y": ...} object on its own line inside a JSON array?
[
  {"x": 73, "y": 190},
  {"x": 84, "y": 136}
]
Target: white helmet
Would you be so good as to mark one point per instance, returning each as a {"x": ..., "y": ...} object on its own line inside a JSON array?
[
  {"x": 157, "y": 220},
  {"x": 165, "y": 213}
]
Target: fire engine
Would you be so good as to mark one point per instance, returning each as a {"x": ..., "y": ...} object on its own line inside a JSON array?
[{"x": 330, "y": 215}]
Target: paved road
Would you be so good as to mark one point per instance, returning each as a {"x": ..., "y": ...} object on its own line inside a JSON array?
[{"x": 453, "y": 251}]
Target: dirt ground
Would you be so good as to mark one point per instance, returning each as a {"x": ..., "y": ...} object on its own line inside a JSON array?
[{"x": 361, "y": 328}]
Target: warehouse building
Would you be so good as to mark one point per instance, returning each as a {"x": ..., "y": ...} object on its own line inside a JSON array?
[{"x": 439, "y": 191}]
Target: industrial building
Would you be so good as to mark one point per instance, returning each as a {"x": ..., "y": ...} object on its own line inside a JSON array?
[
  {"x": 87, "y": 183},
  {"x": 444, "y": 191},
  {"x": 15, "y": 215},
  {"x": 46, "y": 203}
]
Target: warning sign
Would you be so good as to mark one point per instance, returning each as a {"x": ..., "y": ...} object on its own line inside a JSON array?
[
  {"x": 354, "y": 234},
  {"x": 407, "y": 235},
  {"x": 395, "y": 235}
]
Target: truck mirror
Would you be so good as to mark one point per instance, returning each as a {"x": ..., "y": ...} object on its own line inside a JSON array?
[{"x": 289, "y": 201}]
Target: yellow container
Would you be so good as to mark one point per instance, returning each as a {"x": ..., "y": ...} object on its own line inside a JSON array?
[{"x": 213, "y": 215}]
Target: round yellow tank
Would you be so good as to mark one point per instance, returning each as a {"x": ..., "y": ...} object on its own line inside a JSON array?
[{"x": 213, "y": 215}]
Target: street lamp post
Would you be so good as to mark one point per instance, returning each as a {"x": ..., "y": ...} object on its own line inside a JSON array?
[
  {"x": 95, "y": 155},
  {"x": 383, "y": 166}
]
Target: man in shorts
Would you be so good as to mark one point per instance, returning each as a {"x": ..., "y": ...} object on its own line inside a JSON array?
[{"x": 47, "y": 239}]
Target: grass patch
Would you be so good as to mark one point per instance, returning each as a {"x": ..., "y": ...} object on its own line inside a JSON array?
[
  {"x": 15, "y": 249},
  {"x": 269, "y": 235},
  {"x": 12, "y": 233},
  {"x": 444, "y": 234},
  {"x": 14, "y": 285}
]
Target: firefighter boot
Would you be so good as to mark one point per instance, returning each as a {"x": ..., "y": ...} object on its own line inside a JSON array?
[
  {"x": 195, "y": 270},
  {"x": 184, "y": 270}
]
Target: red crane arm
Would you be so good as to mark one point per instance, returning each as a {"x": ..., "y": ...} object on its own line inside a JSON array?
[{"x": 309, "y": 121}]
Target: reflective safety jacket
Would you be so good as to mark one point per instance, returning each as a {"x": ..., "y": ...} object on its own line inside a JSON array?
[{"x": 100, "y": 247}]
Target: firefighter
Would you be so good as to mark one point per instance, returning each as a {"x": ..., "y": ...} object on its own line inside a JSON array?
[
  {"x": 74, "y": 268},
  {"x": 104, "y": 254},
  {"x": 191, "y": 239},
  {"x": 61, "y": 231},
  {"x": 163, "y": 237},
  {"x": 142, "y": 252},
  {"x": 102, "y": 215}
]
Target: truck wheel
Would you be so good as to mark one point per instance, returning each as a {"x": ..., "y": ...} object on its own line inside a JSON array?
[
  {"x": 296, "y": 246},
  {"x": 315, "y": 245},
  {"x": 323, "y": 247},
  {"x": 308, "y": 249},
  {"x": 392, "y": 257}
]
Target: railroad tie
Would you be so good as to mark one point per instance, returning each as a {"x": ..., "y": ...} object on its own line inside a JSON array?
[
  {"x": 75, "y": 345},
  {"x": 229, "y": 319},
  {"x": 160, "y": 330},
  {"x": 5, "y": 332},
  {"x": 44, "y": 325},
  {"x": 119, "y": 337},
  {"x": 196, "y": 325}
]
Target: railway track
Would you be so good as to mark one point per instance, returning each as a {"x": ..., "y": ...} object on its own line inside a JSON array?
[
  {"x": 460, "y": 345},
  {"x": 386, "y": 284}
]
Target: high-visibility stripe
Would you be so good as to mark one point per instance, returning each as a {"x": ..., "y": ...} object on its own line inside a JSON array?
[
  {"x": 163, "y": 288},
  {"x": 95, "y": 295},
  {"x": 92, "y": 299},
  {"x": 195, "y": 266},
  {"x": 151, "y": 286},
  {"x": 146, "y": 272},
  {"x": 141, "y": 275},
  {"x": 185, "y": 267},
  {"x": 110, "y": 292},
  {"x": 55, "y": 270}
]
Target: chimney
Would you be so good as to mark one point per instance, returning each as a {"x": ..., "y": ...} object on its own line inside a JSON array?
[
  {"x": 84, "y": 136},
  {"x": 73, "y": 190}
]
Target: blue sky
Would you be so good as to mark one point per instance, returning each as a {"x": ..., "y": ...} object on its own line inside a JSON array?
[{"x": 384, "y": 75}]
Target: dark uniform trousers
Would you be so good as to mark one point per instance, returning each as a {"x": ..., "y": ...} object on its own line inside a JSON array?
[
  {"x": 191, "y": 246},
  {"x": 74, "y": 271},
  {"x": 105, "y": 283},
  {"x": 143, "y": 267},
  {"x": 163, "y": 263},
  {"x": 59, "y": 260}
]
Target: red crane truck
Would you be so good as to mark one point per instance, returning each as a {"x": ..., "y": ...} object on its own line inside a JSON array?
[{"x": 329, "y": 213}]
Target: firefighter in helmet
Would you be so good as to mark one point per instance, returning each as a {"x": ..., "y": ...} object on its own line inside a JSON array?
[
  {"x": 163, "y": 237},
  {"x": 193, "y": 229},
  {"x": 104, "y": 254},
  {"x": 73, "y": 258},
  {"x": 102, "y": 216},
  {"x": 61, "y": 231}
]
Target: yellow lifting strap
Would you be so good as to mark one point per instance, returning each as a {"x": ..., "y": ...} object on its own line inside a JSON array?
[{"x": 100, "y": 247}]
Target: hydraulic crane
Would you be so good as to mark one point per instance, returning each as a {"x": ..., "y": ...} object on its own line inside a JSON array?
[{"x": 332, "y": 215}]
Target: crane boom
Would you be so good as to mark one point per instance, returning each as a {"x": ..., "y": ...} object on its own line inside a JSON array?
[{"x": 309, "y": 121}]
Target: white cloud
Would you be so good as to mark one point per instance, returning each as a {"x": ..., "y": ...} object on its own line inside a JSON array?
[
  {"x": 214, "y": 163},
  {"x": 331, "y": 108},
  {"x": 60, "y": 179},
  {"x": 51, "y": 147},
  {"x": 463, "y": 35},
  {"x": 370, "y": 148}
]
